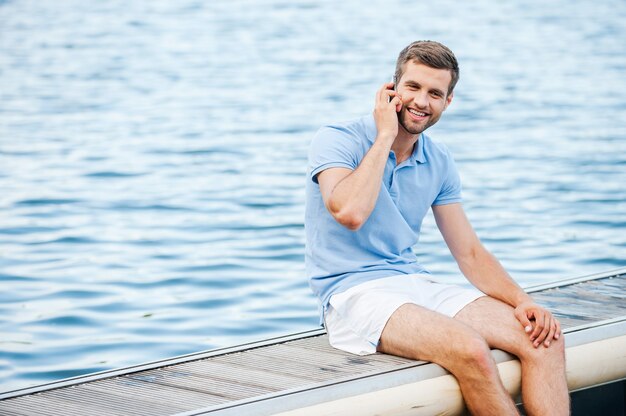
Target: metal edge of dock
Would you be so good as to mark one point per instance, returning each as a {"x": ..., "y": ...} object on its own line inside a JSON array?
[
  {"x": 338, "y": 387},
  {"x": 574, "y": 280},
  {"x": 150, "y": 365}
]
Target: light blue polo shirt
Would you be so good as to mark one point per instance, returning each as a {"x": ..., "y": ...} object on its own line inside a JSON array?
[{"x": 338, "y": 258}]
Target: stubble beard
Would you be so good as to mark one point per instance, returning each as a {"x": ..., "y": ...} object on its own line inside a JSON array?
[{"x": 412, "y": 128}]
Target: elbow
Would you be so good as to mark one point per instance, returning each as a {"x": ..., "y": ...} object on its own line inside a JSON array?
[
  {"x": 349, "y": 218},
  {"x": 351, "y": 222}
]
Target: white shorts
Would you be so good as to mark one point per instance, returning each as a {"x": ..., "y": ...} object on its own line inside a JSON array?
[{"x": 355, "y": 319}]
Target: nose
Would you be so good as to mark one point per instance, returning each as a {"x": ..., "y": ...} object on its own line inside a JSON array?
[{"x": 421, "y": 99}]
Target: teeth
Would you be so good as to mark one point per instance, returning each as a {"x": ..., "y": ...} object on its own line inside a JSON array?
[{"x": 417, "y": 113}]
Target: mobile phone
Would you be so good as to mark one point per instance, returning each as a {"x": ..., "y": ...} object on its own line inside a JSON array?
[{"x": 393, "y": 79}]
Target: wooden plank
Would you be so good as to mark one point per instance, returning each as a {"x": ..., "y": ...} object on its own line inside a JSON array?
[
  {"x": 277, "y": 366},
  {"x": 227, "y": 390},
  {"x": 106, "y": 402},
  {"x": 567, "y": 322},
  {"x": 129, "y": 388},
  {"x": 325, "y": 348},
  {"x": 351, "y": 363},
  {"x": 9, "y": 410},
  {"x": 597, "y": 309},
  {"x": 24, "y": 406},
  {"x": 585, "y": 302},
  {"x": 40, "y": 405},
  {"x": 247, "y": 376}
]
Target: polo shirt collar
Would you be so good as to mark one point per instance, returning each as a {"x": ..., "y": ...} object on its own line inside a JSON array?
[{"x": 418, "y": 152}]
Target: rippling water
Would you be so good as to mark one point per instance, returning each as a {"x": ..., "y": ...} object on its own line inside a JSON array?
[{"x": 152, "y": 159}]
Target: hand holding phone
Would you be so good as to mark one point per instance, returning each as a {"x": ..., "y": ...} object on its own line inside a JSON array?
[
  {"x": 386, "y": 115},
  {"x": 399, "y": 106}
]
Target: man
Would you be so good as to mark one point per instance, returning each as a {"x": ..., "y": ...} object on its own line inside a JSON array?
[{"x": 371, "y": 182}]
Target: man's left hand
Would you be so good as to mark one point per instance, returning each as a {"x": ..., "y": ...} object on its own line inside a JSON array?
[{"x": 538, "y": 323}]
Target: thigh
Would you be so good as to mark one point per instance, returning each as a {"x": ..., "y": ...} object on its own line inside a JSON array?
[
  {"x": 495, "y": 321},
  {"x": 418, "y": 333}
]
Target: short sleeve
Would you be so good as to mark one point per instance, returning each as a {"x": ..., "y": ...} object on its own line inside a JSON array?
[
  {"x": 332, "y": 147},
  {"x": 450, "y": 192}
]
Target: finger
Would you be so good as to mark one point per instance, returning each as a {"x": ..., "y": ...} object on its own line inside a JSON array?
[
  {"x": 545, "y": 331},
  {"x": 395, "y": 100},
  {"x": 557, "y": 333},
  {"x": 388, "y": 86},
  {"x": 523, "y": 319},
  {"x": 399, "y": 105},
  {"x": 540, "y": 323},
  {"x": 391, "y": 93},
  {"x": 379, "y": 93},
  {"x": 551, "y": 333},
  {"x": 382, "y": 97}
]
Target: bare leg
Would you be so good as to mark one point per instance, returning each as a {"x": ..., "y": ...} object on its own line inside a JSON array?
[
  {"x": 418, "y": 333},
  {"x": 544, "y": 385}
]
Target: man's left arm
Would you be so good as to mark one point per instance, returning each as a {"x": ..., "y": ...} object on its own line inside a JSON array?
[{"x": 485, "y": 272}]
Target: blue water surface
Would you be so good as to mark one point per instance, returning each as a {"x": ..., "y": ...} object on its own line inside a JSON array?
[{"x": 153, "y": 156}]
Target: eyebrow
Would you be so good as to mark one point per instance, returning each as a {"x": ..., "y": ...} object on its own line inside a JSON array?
[{"x": 417, "y": 84}]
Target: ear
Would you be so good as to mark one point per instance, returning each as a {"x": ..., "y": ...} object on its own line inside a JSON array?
[{"x": 448, "y": 100}]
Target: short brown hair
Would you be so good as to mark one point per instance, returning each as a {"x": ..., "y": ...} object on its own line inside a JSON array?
[{"x": 429, "y": 53}]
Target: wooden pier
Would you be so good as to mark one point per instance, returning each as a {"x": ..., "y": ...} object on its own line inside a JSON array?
[{"x": 302, "y": 375}]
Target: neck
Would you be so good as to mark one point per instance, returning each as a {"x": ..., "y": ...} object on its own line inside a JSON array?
[{"x": 403, "y": 144}]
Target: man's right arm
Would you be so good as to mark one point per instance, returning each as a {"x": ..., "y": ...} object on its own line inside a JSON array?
[{"x": 350, "y": 195}]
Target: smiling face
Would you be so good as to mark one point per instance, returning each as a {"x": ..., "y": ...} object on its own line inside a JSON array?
[{"x": 424, "y": 92}]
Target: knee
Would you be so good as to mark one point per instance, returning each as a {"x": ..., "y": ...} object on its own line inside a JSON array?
[
  {"x": 475, "y": 353},
  {"x": 555, "y": 353},
  {"x": 557, "y": 347}
]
